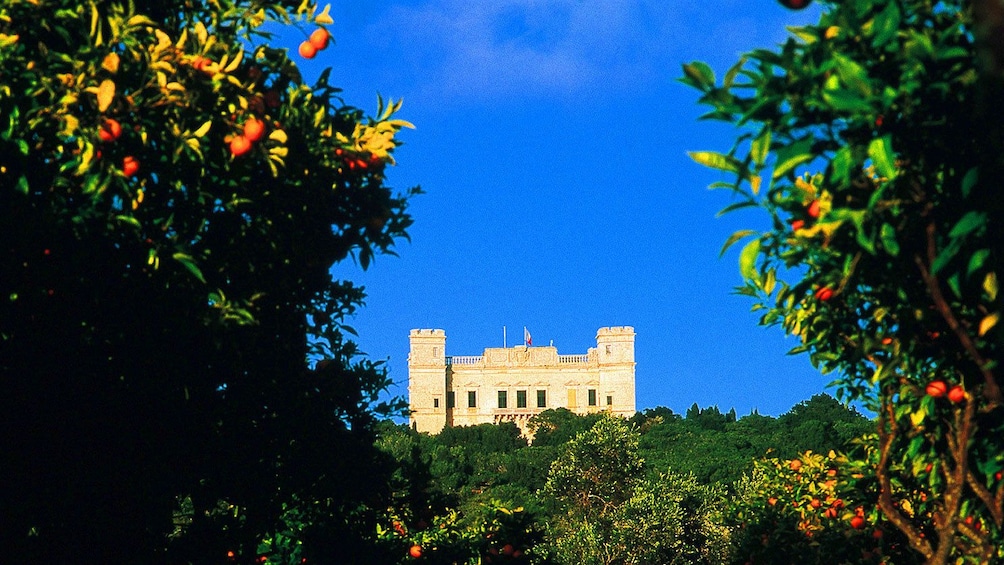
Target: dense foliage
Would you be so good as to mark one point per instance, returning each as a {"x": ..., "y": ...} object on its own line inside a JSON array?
[
  {"x": 172, "y": 196},
  {"x": 659, "y": 488},
  {"x": 874, "y": 142}
]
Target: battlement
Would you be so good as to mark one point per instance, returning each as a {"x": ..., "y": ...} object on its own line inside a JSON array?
[
  {"x": 615, "y": 330},
  {"x": 427, "y": 332}
]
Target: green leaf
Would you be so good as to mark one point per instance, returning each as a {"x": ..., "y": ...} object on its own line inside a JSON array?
[
  {"x": 888, "y": 235},
  {"x": 700, "y": 75},
  {"x": 853, "y": 75},
  {"x": 722, "y": 184},
  {"x": 129, "y": 220},
  {"x": 945, "y": 256},
  {"x": 736, "y": 206},
  {"x": 972, "y": 221},
  {"x": 747, "y": 260},
  {"x": 189, "y": 264},
  {"x": 760, "y": 148},
  {"x": 734, "y": 238},
  {"x": 718, "y": 161},
  {"x": 881, "y": 153},
  {"x": 842, "y": 163},
  {"x": 791, "y": 156},
  {"x": 730, "y": 75},
  {"x": 977, "y": 260},
  {"x": 843, "y": 100},
  {"x": 969, "y": 181},
  {"x": 886, "y": 25}
]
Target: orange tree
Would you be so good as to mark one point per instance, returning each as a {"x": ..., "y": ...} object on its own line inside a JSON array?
[
  {"x": 884, "y": 257},
  {"x": 172, "y": 196},
  {"x": 812, "y": 509}
]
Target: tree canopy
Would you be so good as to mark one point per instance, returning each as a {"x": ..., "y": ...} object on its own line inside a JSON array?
[
  {"x": 872, "y": 140},
  {"x": 173, "y": 194}
]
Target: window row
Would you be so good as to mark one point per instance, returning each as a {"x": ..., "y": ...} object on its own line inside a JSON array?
[{"x": 503, "y": 399}]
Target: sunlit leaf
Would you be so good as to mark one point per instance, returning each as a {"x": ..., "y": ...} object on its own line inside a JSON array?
[
  {"x": 106, "y": 92},
  {"x": 888, "y": 235},
  {"x": 716, "y": 160},
  {"x": 111, "y": 62},
  {"x": 791, "y": 156},
  {"x": 324, "y": 18},
  {"x": 990, "y": 285},
  {"x": 988, "y": 322},
  {"x": 747, "y": 260},
  {"x": 760, "y": 148},
  {"x": 881, "y": 154}
]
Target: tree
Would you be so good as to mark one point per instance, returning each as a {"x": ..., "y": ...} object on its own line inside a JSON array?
[
  {"x": 172, "y": 196},
  {"x": 607, "y": 511},
  {"x": 885, "y": 262}
]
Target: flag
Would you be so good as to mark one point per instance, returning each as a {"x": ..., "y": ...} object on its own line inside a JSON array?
[{"x": 526, "y": 336}]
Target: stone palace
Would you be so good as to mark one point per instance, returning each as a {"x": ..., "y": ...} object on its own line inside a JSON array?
[{"x": 515, "y": 383}]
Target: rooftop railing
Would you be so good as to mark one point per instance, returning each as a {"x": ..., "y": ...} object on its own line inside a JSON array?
[{"x": 463, "y": 359}]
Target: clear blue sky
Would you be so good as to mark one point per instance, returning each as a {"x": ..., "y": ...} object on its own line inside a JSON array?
[{"x": 551, "y": 142}]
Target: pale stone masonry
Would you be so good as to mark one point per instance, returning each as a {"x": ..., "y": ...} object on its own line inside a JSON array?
[{"x": 516, "y": 383}]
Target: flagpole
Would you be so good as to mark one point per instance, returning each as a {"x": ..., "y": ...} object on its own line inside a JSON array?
[{"x": 503, "y": 338}]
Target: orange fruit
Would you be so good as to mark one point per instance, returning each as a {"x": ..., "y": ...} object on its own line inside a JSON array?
[
  {"x": 254, "y": 128},
  {"x": 307, "y": 50},
  {"x": 110, "y": 130},
  {"x": 319, "y": 39},
  {"x": 130, "y": 165},
  {"x": 239, "y": 145}
]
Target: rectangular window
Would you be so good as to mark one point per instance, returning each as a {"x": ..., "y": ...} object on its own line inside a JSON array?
[
  {"x": 572, "y": 400},
  {"x": 541, "y": 399},
  {"x": 610, "y": 401},
  {"x": 451, "y": 399},
  {"x": 503, "y": 399},
  {"x": 592, "y": 397},
  {"x": 435, "y": 403},
  {"x": 520, "y": 399},
  {"x": 472, "y": 399}
]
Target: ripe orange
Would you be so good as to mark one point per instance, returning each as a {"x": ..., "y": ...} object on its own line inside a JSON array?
[
  {"x": 957, "y": 394},
  {"x": 824, "y": 293},
  {"x": 415, "y": 551},
  {"x": 307, "y": 50},
  {"x": 797, "y": 225},
  {"x": 795, "y": 4},
  {"x": 130, "y": 165},
  {"x": 795, "y": 465},
  {"x": 110, "y": 130},
  {"x": 813, "y": 210},
  {"x": 319, "y": 39},
  {"x": 254, "y": 128},
  {"x": 937, "y": 389},
  {"x": 239, "y": 145},
  {"x": 857, "y": 522}
]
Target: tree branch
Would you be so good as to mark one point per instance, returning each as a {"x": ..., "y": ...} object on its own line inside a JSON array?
[
  {"x": 887, "y": 418},
  {"x": 991, "y": 391}
]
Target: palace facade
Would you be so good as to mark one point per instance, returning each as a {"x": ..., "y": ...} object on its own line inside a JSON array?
[{"x": 515, "y": 383}]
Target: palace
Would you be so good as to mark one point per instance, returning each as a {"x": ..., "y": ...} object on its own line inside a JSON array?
[{"x": 516, "y": 383}]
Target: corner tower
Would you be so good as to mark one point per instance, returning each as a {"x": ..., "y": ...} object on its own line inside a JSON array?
[
  {"x": 427, "y": 380},
  {"x": 615, "y": 356}
]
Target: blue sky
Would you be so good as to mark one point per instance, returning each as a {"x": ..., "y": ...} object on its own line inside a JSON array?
[{"x": 551, "y": 143}]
